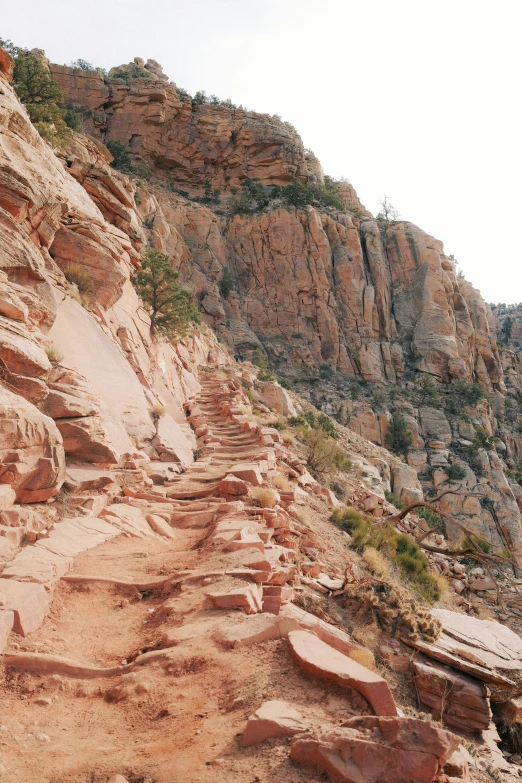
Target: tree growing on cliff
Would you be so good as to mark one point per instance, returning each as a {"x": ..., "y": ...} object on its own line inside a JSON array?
[
  {"x": 226, "y": 284},
  {"x": 388, "y": 212},
  {"x": 169, "y": 306},
  {"x": 429, "y": 391},
  {"x": 41, "y": 95},
  {"x": 398, "y": 437}
]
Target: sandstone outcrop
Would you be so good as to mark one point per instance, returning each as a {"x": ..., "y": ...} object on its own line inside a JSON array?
[
  {"x": 167, "y": 130},
  {"x": 395, "y": 750},
  {"x": 32, "y": 459}
]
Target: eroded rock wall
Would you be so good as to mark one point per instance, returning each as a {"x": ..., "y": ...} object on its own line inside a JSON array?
[{"x": 80, "y": 374}]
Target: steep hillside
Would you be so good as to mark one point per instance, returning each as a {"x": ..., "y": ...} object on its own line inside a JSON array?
[
  {"x": 203, "y": 575},
  {"x": 341, "y": 303}
]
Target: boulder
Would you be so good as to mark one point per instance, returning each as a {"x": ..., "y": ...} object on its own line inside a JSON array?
[
  {"x": 319, "y": 659},
  {"x": 32, "y": 458},
  {"x": 277, "y": 399},
  {"x": 405, "y": 483},
  {"x": 231, "y": 485},
  {"x": 247, "y": 471},
  {"x": 86, "y": 439},
  {"x": 458, "y": 699},
  {"x": 7, "y": 496},
  {"x": 86, "y": 477},
  {"x": 377, "y": 750},
  {"x": 434, "y": 425},
  {"x": 171, "y": 442},
  {"x": 273, "y": 719},
  {"x": 28, "y": 602}
]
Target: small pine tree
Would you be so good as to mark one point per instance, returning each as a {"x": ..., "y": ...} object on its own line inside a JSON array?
[
  {"x": 226, "y": 284},
  {"x": 169, "y": 306},
  {"x": 398, "y": 437},
  {"x": 429, "y": 391}
]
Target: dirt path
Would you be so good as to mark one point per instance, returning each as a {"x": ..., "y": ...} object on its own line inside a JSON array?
[{"x": 179, "y": 719}]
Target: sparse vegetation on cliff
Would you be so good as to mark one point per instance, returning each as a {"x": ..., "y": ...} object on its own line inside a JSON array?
[
  {"x": 399, "y": 437},
  {"x": 169, "y": 306},
  {"x": 38, "y": 90},
  {"x": 120, "y": 156},
  {"x": 227, "y": 285},
  {"x": 400, "y": 548},
  {"x": 429, "y": 391}
]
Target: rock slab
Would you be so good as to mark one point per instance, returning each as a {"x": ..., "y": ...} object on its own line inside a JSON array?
[{"x": 318, "y": 658}]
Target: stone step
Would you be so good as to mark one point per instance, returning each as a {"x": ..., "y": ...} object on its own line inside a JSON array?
[{"x": 324, "y": 662}]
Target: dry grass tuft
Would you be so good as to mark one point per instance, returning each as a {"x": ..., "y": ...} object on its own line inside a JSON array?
[
  {"x": 75, "y": 273},
  {"x": 376, "y": 562},
  {"x": 264, "y": 497},
  {"x": 364, "y": 657},
  {"x": 288, "y": 438},
  {"x": 53, "y": 354},
  {"x": 446, "y": 593},
  {"x": 282, "y": 483},
  {"x": 158, "y": 409}
]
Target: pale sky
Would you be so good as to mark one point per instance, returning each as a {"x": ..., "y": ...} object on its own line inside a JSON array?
[{"x": 420, "y": 101}]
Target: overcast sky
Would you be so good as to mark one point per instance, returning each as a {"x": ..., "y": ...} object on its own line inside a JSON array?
[{"x": 420, "y": 101}]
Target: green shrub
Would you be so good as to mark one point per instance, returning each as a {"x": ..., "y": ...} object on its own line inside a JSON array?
[
  {"x": 226, "y": 284},
  {"x": 169, "y": 306},
  {"x": 327, "y": 425},
  {"x": 41, "y": 95},
  {"x": 399, "y": 437},
  {"x": 120, "y": 156},
  {"x": 379, "y": 400},
  {"x": 402, "y": 549},
  {"x": 431, "y": 517},
  {"x": 394, "y": 499},
  {"x": 429, "y": 391},
  {"x": 456, "y": 472},
  {"x": 352, "y": 522},
  {"x": 296, "y": 421},
  {"x": 300, "y": 195},
  {"x": 323, "y": 455},
  {"x": 463, "y": 394},
  {"x": 480, "y": 540},
  {"x": 72, "y": 119},
  {"x": 482, "y": 441},
  {"x": 266, "y": 375}
]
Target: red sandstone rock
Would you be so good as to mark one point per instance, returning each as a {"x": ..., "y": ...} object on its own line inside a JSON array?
[
  {"x": 377, "y": 750},
  {"x": 458, "y": 699},
  {"x": 27, "y": 601},
  {"x": 247, "y": 472},
  {"x": 6, "y": 626},
  {"x": 273, "y": 719},
  {"x": 231, "y": 485},
  {"x": 160, "y": 527},
  {"x": 326, "y": 663},
  {"x": 32, "y": 458},
  {"x": 246, "y": 598}
]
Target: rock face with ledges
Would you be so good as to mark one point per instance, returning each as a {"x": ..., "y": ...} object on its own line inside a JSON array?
[
  {"x": 169, "y": 131},
  {"x": 32, "y": 458}
]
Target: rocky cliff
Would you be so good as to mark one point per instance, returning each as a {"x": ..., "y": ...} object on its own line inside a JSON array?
[
  {"x": 78, "y": 381},
  {"x": 123, "y": 454},
  {"x": 343, "y": 304}
]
